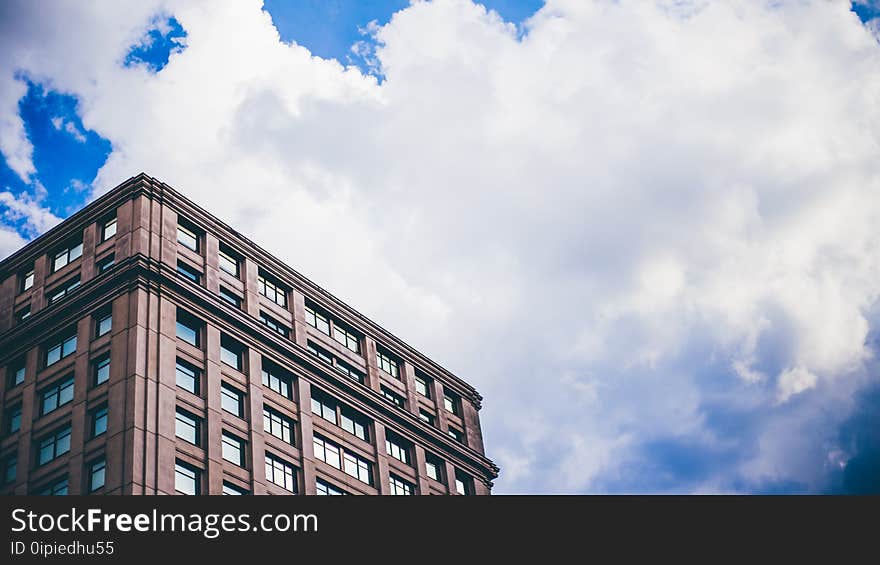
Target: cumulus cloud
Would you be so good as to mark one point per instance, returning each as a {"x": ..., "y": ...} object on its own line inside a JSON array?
[{"x": 645, "y": 230}]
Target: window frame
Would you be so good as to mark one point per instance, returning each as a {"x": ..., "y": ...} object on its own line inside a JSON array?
[
  {"x": 192, "y": 232},
  {"x": 181, "y": 468},
  {"x": 98, "y": 364},
  {"x": 191, "y": 424},
  {"x": 230, "y": 392},
  {"x": 71, "y": 252},
  {"x": 104, "y": 228},
  {"x": 226, "y": 255},
  {"x": 232, "y": 441}
]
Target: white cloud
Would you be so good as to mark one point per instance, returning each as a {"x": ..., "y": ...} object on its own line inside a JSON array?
[
  {"x": 60, "y": 123},
  {"x": 35, "y": 217},
  {"x": 641, "y": 222}
]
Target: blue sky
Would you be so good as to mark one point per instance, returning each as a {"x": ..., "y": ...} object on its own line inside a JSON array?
[{"x": 706, "y": 321}]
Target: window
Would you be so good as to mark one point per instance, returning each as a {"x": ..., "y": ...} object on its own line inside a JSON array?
[
  {"x": 451, "y": 402},
  {"x": 58, "y": 394},
  {"x": 57, "y": 487},
  {"x": 230, "y": 297},
  {"x": 423, "y": 385},
  {"x": 354, "y": 423},
  {"x": 16, "y": 374},
  {"x": 397, "y": 447},
  {"x": 274, "y": 325},
  {"x": 187, "y": 479},
  {"x": 188, "y": 272},
  {"x": 327, "y": 451},
  {"x": 317, "y": 321},
  {"x": 65, "y": 256},
  {"x": 233, "y": 449},
  {"x": 320, "y": 353},
  {"x": 232, "y": 352},
  {"x": 98, "y": 421},
  {"x": 463, "y": 483},
  {"x": 23, "y": 314},
  {"x": 188, "y": 427},
  {"x": 228, "y": 261},
  {"x": 54, "y": 446},
  {"x": 62, "y": 290},
  {"x": 326, "y": 489},
  {"x": 434, "y": 467},
  {"x": 188, "y": 377},
  {"x": 399, "y": 486},
  {"x": 10, "y": 468},
  {"x": 13, "y": 419},
  {"x": 277, "y": 425},
  {"x": 108, "y": 229},
  {"x": 61, "y": 348},
  {"x": 187, "y": 236},
  {"x": 277, "y": 379},
  {"x": 387, "y": 363},
  {"x": 456, "y": 434},
  {"x": 426, "y": 417},
  {"x": 230, "y": 489},
  {"x": 326, "y": 325},
  {"x": 231, "y": 400},
  {"x": 357, "y": 467},
  {"x": 101, "y": 370},
  {"x": 103, "y": 323},
  {"x": 105, "y": 263},
  {"x": 189, "y": 328},
  {"x": 392, "y": 397},
  {"x": 346, "y": 337},
  {"x": 272, "y": 290},
  {"x": 339, "y": 365},
  {"x": 323, "y": 406},
  {"x": 97, "y": 474},
  {"x": 280, "y": 472},
  {"x": 27, "y": 280}
]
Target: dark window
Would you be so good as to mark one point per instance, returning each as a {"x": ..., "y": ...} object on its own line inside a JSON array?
[
  {"x": 320, "y": 353},
  {"x": 326, "y": 489},
  {"x": 317, "y": 320},
  {"x": 23, "y": 314},
  {"x": 323, "y": 406},
  {"x": 13, "y": 419},
  {"x": 188, "y": 427},
  {"x": 101, "y": 370},
  {"x": 230, "y": 297},
  {"x": 278, "y": 425},
  {"x": 187, "y": 235},
  {"x": 423, "y": 385},
  {"x": 338, "y": 364},
  {"x": 358, "y": 467},
  {"x": 10, "y": 468},
  {"x": 233, "y": 449},
  {"x": 272, "y": 290},
  {"x": 392, "y": 397},
  {"x": 57, "y": 487},
  {"x": 228, "y": 260},
  {"x": 426, "y": 416},
  {"x": 399, "y": 486},
  {"x": 274, "y": 325},
  {"x": 62, "y": 290},
  {"x": 232, "y": 352},
  {"x": 434, "y": 467},
  {"x": 456, "y": 434},
  {"x": 277, "y": 379},
  {"x": 187, "y": 479},
  {"x": 56, "y": 395},
  {"x": 27, "y": 280},
  {"x": 108, "y": 229},
  {"x": 97, "y": 474},
  {"x": 16, "y": 373},
  {"x": 387, "y": 363},
  {"x": 67, "y": 255},
  {"x": 397, "y": 447},
  {"x": 189, "y": 272},
  {"x": 103, "y": 323},
  {"x": 463, "y": 483},
  {"x": 98, "y": 421},
  {"x": 327, "y": 451},
  {"x": 280, "y": 472},
  {"x": 333, "y": 328},
  {"x": 354, "y": 423},
  {"x": 106, "y": 263},
  {"x": 60, "y": 348},
  {"x": 54, "y": 446},
  {"x": 451, "y": 402},
  {"x": 231, "y": 489},
  {"x": 189, "y": 328},
  {"x": 231, "y": 400},
  {"x": 188, "y": 377}
]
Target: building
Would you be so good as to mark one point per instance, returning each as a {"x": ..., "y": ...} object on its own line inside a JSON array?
[{"x": 148, "y": 348}]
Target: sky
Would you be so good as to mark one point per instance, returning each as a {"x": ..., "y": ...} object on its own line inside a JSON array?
[{"x": 645, "y": 231}]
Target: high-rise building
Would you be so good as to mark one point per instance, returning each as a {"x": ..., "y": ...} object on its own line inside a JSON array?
[{"x": 146, "y": 347}]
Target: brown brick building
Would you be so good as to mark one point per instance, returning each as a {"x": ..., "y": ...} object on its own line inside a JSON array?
[{"x": 148, "y": 348}]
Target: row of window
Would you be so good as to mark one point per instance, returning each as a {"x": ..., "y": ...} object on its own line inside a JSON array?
[{"x": 96, "y": 477}]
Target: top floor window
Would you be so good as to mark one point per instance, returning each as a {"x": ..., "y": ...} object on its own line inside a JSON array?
[
  {"x": 271, "y": 290},
  {"x": 387, "y": 363},
  {"x": 228, "y": 261},
  {"x": 187, "y": 235},
  {"x": 27, "y": 280},
  {"x": 333, "y": 328},
  {"x": 67, "y": 255},
  {"x": 108, "y": 229},
  {"x": 423, "y": 385},
  {"x": 451, "y": 402}
]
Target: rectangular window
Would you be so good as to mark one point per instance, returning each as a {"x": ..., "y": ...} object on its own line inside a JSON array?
[
  {"x": 451, "y": 402},
  {"x": 277, "y": 425},
  {"x": 232, "y": 353},
  {"x": 60, "y": 348},
  {"x": 188, "y": 377},
  {"x": 426, "y": 417},
  {"x": 272, "y": 290},
  {"x": 27, "y": 280},
  {"x": 230, "y": 297},
  {"x": 434, "y": 467},
  {"x": 392, "y": 397},
  {"x": 358, "y": 467},
  {"x": 231, "y": 400},
  {"x": 106, "y": 263},
  {"x": 400, "y": 486},
  {"x": 16, "y": 374},
  {"x": 101, "y": 370},
  {"x": 10, "y": 468},
  {"x": 328, "y": 452},
  {"x": 333, "y": 328},
  {"x": 62, "y": 290},
  {"x": 326, "y": 489},
  {"x": 189, "y": 328},
  {"x": 230, "y": 489},
  {"x": 56, "y": 395},
  {"x": 323, "y": 406},
  {"x": 55, "y": 488},
  {"x": 463, "y": 483},
  {"x": 387, "y": 363},
  {"x": 354, "y": 423},
  {"x": 228, "y": 261},
  {"x": 188, "y": 272},
  {"x": 53, "y": 446},
  {"x": 187, "y": 236},
  {"x": 233, "y": 449},
  {"x": 187, "y": 479},
  {"x": 97, "y": 474},
  {"x": 274, "y": 325},
  {"x": 346, "y": 337},
  {"x": 277, "y": 379},
  {"x": 23, "y": 314},
  {"x": 13, "y": 419},
  {"x": 103, "y": 323},
  {"x": 188, "y": 427},
  {"x": 423, "y": 385},
  {"x": 320, "y": 353},
  {"x": 98, "y": 421},
  {"x": 349, "y": 371},
  {"x": 108, "y": 229},
  {"x": 456, "y": 434},
  {"x": 317, "y": 320},
  {"x": 280, "y": 472},
  {"x": 397, "y": 447},
  {"x": 67, "y": 255}
]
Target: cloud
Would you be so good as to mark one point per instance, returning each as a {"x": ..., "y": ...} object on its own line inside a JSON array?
[
  {"x": 653, "y": 250},
  {"x": 60, "y": 123},
  {"x": 28, "y": 211}
]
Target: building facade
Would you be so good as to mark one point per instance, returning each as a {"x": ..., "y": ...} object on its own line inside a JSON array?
[{"x": 148, "y": 348}]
